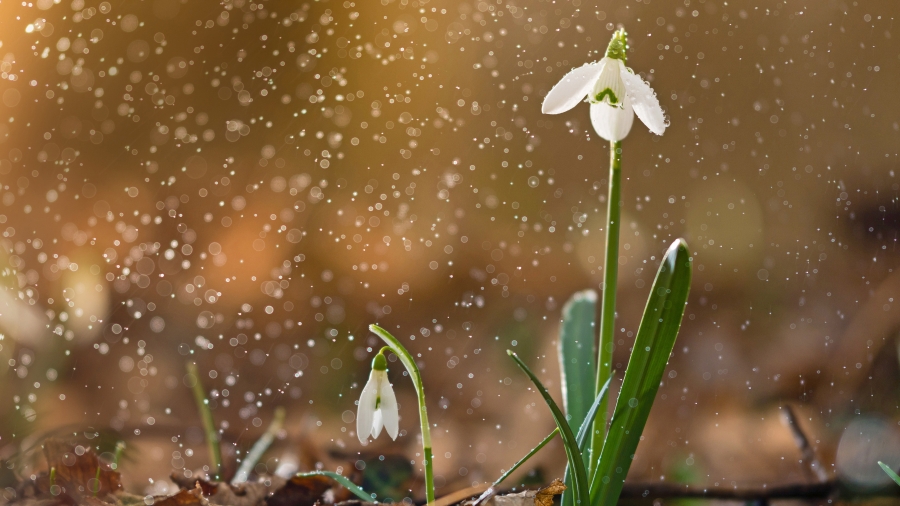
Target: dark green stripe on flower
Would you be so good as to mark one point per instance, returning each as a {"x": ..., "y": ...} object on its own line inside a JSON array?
[{"x": 613, "y": 99}]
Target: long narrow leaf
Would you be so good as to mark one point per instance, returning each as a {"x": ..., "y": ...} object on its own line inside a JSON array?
[
  {"x": 571, "y": 446},
  {"x": 652, "y": 347},
  {"x": 581, "y": 439},
  {"x": 344, "y": 481},
  {"x": 890, "y": 472},
  {"x": 576, "y": 355}
]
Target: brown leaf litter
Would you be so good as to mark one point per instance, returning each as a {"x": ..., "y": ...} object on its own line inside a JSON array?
[{"x": 80, "y": 478}]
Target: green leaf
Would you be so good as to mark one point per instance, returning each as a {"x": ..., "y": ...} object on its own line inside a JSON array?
[
  {"x": 344, "y": 481},
  {"x": 569, "y": 442},
  {"x": 890, "y": 472},
  {"x": 582, "y": 440},
  {"x": 652, "y": 347},
  {"x": 576, "y": 355}
]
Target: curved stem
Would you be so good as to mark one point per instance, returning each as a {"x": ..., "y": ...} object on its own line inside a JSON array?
[
  {"x": 407, "y": 360},
  {"x": 608, "y": 300}
]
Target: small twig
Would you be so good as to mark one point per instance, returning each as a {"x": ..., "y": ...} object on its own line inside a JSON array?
[
  {"x": 209, "y": 425},
  {"x": 804, "y": 491},
  {"x": 813, "y": 466},
  {"x": 460, "y": 495}
]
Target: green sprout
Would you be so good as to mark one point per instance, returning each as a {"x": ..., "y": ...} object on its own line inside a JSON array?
[{"x": 209, "y": 425}]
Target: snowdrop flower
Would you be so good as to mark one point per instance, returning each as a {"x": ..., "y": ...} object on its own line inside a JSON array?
[
  {"x": 615, "y": 92},
  {"x": 377, "y": 404}
]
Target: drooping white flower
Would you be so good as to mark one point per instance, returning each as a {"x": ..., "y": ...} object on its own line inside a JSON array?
[
  {"x": 377, "y": 404},
  {"x": 614, "y": 91}
]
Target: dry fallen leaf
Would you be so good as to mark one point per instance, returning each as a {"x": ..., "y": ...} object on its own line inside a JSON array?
[
  {"x": 301, "y": 491},
  {"x": 193, "y": 497},
  {"x": 542, "y": 497},
  {"x": 207, "y": 487},
  {"x": 77, "y": 474}
]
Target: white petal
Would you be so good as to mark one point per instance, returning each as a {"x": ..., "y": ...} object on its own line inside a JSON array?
[
  {"x": 377, "y": 423},
  {"x": 608, "y": 82},
  {"x": 610, "y": 122},
  {"x": 389, "y": 410},
  {"x": 644, "y": 101},
  {"x": 571, "y": 89},
  {"x": 365, "y": 413}
]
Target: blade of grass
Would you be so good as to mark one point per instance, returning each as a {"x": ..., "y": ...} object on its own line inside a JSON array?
[
  {"x": 209, "y": 425},
  {"x": 530, "y": 454},
  {"x": 572, "y": 452},
  {"x": 890, "y": 472},
  {"x": 492, "y": 490},
  {"x": 652, "y": 347},
  {"x": 260, "y": 447},
  {"x": 576, "y": 355},
  {"x": 582, "y": 440},
  {"x": 344, "y": 481},
  {"x": 120, "y": 448}
]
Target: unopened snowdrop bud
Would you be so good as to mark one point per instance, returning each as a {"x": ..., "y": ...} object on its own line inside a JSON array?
[
  {"x": 377, "y": 404},
  {"x": 614, "y": 91}
]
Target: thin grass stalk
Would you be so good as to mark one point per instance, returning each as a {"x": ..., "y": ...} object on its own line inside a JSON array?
[
  {"x": 209, "y": 425},
  {"x": 120, "y": 448},
  {"x": 259, "y": 448},
  {"x": 344, "y": 481},
  {"x": 530, "y": 454},
  {"x": 890, "y": 472}
]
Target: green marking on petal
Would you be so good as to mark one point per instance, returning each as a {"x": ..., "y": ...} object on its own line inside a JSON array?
[
  {"x": 617, "y": 45},
  {"x": 378, "y": 402},
  {"x": 612, "y": 100}
]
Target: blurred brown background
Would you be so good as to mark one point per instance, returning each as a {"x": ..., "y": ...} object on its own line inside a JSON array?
[{"x": 249, "y": 185}]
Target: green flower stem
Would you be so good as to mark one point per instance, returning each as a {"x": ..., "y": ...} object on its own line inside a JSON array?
[
  {"x": 209, "y": 426},
  {"x": 413, "y": 371},
  {"x": 608, "y": 299}
]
